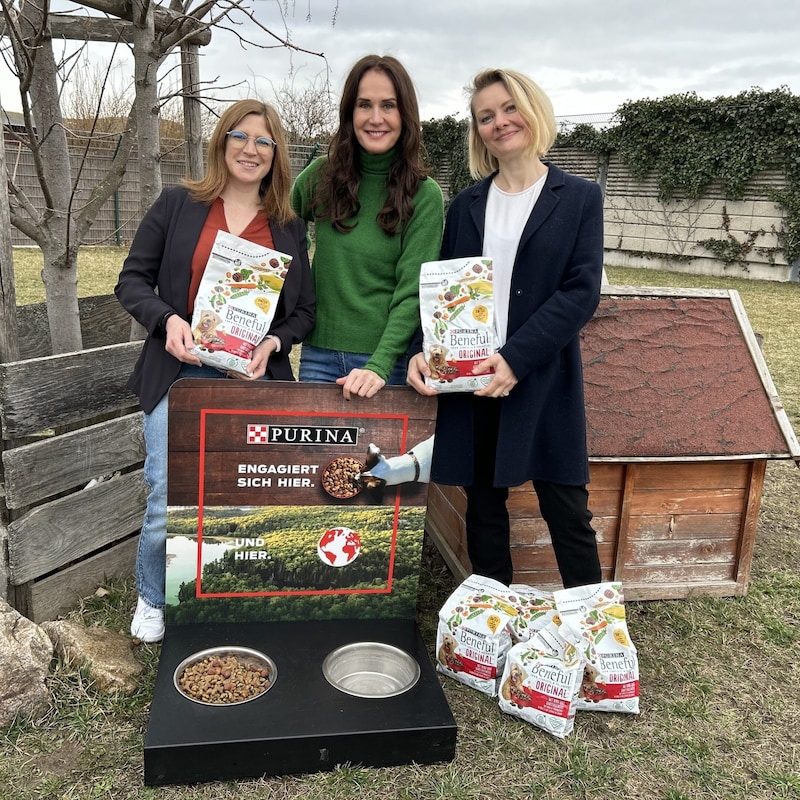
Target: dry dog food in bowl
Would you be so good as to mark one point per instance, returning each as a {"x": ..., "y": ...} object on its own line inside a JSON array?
[
  {"x": 340, "y": 477},
  {"x": 225, "y": 675}
]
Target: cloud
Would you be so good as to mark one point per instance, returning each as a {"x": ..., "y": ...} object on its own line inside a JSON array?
[{"x": 590, "y": 57}]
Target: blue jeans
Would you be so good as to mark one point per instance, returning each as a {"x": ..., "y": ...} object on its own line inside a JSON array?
[
  {"x": 151, "y": 556},
  {"x": 318, "y": 365}
]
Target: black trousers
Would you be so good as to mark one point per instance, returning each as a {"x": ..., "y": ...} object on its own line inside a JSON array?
[{"x": 564, "y": 508}]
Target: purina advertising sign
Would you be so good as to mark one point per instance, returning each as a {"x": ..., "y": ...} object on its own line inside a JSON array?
[{"x": 287, "y": 502}]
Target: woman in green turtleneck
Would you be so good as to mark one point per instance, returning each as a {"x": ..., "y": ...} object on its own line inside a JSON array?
[{"x": 378, "y": 217}]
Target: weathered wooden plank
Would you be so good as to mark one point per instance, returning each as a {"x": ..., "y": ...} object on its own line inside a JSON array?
[
  {"x": 455, "y": 563},
  {"x": 687, "y": 501},
  {"x": 87, "y": 28},
  {"x": 42, "y": 393},
  {"x": 681, "y": 590},
  {"x": 533, "y": 530},
  {"x": 629, "y": 488},
  {"x": 62, "y": 591},
  {"x": 51, "y": 466},
  {"x": 53, "y": 535},
  {"x": 603, "y": 475},
  {"x": 747, "y": 534},
  {"x": 103, "y": 322},
  {"x": 5, "y": 574},
  {"x": 610, "y": 290},
  {"x": 546, "y": 579},
  {"x": 688, "y": 552},
  {"x": 522, "y": 502},
  {"x": 527, "y": 557},
  {"x": 444, "y": 523},
  {"x": 669, "y": 575},
  {"x": 697, "y": 475},
  {"x": 679, "y": 527}
]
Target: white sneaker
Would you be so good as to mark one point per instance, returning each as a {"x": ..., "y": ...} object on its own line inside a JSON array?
[{"x": 148, "y": 623}]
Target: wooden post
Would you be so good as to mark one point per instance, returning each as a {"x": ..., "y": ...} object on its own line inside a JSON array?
[{"x": 192, "y": 122}]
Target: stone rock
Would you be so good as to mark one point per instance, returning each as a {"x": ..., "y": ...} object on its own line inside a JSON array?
[
  {"x": 25, "y": 655},
  {"x": 106, "y": 654}
]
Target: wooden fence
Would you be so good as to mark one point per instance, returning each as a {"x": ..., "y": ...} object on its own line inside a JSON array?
[
  {"x": 72, "y": 463},
  {"x": 640, "y": 229},
  {"x": 116, "y": 222}
]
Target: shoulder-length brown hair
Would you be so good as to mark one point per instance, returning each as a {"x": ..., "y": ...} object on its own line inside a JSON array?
[
  {"x": 336, "y": 196},
  {"x": 276, "y": 184},
  {"x": 533, "y": 105}
]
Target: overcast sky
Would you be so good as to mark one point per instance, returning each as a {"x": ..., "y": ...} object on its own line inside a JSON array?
[{"x": 589, "y": 56}]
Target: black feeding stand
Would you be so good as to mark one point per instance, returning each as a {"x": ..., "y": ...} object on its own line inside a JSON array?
[{"x": 302, "y": 724}]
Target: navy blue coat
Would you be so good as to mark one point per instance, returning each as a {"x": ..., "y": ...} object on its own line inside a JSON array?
[
  {"x": 555, "y": 289},
  {"x": 161, "y": 258}
]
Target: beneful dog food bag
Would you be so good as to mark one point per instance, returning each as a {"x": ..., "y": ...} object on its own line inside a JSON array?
[
  {"x": 457, "y": 315},
  {"x": 536, "y": 608},
  {"x": 236, "y": 301},
  {"x": 594, "y": 616},
  {"x": 540, "y": 681},
  {"x": 473, "y": 636}
]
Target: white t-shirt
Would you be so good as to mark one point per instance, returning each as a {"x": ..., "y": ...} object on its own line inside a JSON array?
[{"x": 506, "y": 215}]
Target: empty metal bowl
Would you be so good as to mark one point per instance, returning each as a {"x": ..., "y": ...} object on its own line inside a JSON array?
[
  {"x": 225, "y": 676},
  {"x": 370, "y": 669}
]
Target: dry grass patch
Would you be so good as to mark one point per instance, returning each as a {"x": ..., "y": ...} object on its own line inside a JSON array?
[{"x": 719, "y": 709}]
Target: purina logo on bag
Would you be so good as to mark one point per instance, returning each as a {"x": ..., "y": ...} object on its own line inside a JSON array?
[{"x": 301, "y": 434}]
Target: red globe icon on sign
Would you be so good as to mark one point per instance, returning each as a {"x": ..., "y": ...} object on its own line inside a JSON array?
[{"x": 339, "y": 547}]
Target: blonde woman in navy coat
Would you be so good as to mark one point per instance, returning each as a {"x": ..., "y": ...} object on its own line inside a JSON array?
[{"x": 544, "y": 229}]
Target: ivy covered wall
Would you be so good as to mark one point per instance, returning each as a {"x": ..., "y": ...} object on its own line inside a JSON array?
[{"x": 708, "y": 186}]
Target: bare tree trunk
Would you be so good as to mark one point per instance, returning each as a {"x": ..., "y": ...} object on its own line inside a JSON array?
[
  {"x": 60, "y": 251},
  {"x": 145, "y": 72},
  {"x": 192, "y": 123},
  {"x": 146, "y": 62},
  {"x": 59, "y": 227},
  {"x": 9, "y": 347}
]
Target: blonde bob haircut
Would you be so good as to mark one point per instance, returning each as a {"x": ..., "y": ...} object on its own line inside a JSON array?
[
  {"x": 534, "y": 107},
  {"x": 276, "y": 184}
]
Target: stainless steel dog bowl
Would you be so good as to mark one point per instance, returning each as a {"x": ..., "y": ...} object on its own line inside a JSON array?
[
  {"x": 229, "y": 676},
  {"x": 370, "y": 669}
]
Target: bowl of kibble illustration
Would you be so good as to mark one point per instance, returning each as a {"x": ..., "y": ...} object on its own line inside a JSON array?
[
  {"x": 225, "y": 676},
  {"x": 340, "y": 477}
]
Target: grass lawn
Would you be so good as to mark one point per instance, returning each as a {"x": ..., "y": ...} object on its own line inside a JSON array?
[{"x": 719, "y": 712}]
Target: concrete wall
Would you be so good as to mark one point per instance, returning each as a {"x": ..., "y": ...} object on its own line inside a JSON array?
[{"x": 642, "y": 231}]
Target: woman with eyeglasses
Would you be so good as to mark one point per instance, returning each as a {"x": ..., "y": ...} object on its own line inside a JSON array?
[
  {"x": 377, "y": 217},
  {"x": 245, "y": 192}
]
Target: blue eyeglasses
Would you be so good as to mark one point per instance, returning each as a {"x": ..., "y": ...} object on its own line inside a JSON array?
[{"x": 239, "y": 139}]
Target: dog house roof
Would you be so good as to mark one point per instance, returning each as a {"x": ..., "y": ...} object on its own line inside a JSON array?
[{"x": 678, "y": 374}]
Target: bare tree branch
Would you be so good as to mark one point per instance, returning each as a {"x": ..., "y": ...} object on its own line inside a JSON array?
[{"x": 152, "y": 30}]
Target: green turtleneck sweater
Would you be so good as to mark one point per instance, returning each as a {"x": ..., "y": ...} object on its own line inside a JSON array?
[{"x": 367, "y": 283}]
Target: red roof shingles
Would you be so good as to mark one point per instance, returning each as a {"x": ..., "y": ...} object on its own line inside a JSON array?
[{"x": 672, "y": 377}]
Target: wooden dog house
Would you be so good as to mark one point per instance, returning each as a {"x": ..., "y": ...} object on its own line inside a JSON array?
[{"x": 682, "y": 417}]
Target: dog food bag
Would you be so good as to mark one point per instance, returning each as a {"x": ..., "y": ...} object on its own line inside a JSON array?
[
  {"x": 595, "y": 614},
  {"x": 236, "y": 301},
  {"x": 457, "y": 315},
  {"x": 536, "y": 608},
  {"x": 540, "y": 681},
  {"x": 472, "y": 638}
]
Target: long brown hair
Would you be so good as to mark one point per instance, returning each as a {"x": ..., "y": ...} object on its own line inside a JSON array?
[
  {"x": 336, "y": 196},
  {"x": 276, "y": 184}
]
